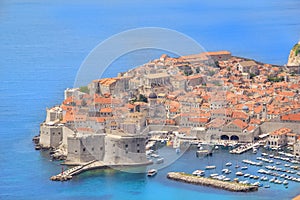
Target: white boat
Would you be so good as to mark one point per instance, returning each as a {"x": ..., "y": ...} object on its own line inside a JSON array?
[
  {"x": 199, "y": 173},
  {"x": 254, "y": 151},
  {"x": 228, "y": 164},
  {"x": 154, "y": 155},
  {"x": 239, "y": 173},
  {"x": 264, "y": 178},
  {"x": 256, "y": 184},
  {"x": 264, "y": 154},
  {"x": 152, "y": 172},
  {"x": 278, "y": 163},
  {"x": 226, "y": 179},
  {"x": 246, "y": 175},
  {"x": 210, "y": 167},
  {"x": 159, "y": 160},
  {"x": 267, "y": 186},
  {"x": 213, "y": 175},
  {"x": 244, "y": 168},
  {"x": 285, "y": 182},
  {"x": 226, "y": 171},
  {"x": 278, "y": 182}
]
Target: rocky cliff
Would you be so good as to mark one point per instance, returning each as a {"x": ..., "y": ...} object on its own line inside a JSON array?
[{"x": 294, "y": 57}]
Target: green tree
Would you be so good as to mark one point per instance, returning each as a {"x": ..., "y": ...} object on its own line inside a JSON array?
[{"x": 84, "y": 89}]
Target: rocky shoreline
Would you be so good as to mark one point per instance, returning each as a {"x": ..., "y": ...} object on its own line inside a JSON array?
[{"x": 196, "y": 180}]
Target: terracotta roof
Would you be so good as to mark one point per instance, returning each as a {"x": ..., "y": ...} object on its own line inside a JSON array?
[
  {"x": 289, "y": 117},
  {"x": 106, "y": 110},
  {"x": 239, "y": 123},
  {"x": 281, "y": 131}
]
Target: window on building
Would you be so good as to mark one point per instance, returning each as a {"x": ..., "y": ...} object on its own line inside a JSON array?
[
  {"x": 83, "y": 149},
  {"x": 126, "y": 145},
  {"x": 138, "y": 151}
]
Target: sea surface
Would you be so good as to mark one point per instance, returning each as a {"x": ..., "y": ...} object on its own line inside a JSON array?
[{"x": 42, "y": 45}]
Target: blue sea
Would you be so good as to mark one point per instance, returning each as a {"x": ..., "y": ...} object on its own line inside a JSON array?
[{"x": 42, "y": 45}]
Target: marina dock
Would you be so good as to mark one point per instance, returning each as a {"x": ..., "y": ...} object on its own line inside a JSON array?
[
  {"x": 230, "y": 186},
  {"x": 243, "y": 148}
]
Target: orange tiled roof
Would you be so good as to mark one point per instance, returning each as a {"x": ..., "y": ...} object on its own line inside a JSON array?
[
  {"x": 293, "y": 117},
  {"x": 239, "y": 123}
]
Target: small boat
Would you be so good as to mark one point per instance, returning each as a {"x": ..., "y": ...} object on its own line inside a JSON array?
[
  {"x": 267, "y": 186},
  {"x": 272, "y": 180},
  {"x": 285, "y": 182},
  {"x": 228, "y": 164},
  {"x": 38, "y": 147},
  {"x": 213, "y": 175},
  {"x": 152, "y": 172},
  {"x": 237, "y": 166},
  {"x": 278, "y": 182},
  {"x": 226, "y": 171},
  {"x": 246, "y": 175},
  {"x": 254, "y": 151},
  {"x": 256, "y": 184},
  {"x": 210, "y": 167},
  {"x": 278, "y": 163},
  {"x": 160, "y": 160},
  {"x": 226, "y": 179},
  {"x": 244, "y": 168},
  {"x": 264, "y": 178},
  {"x": 199, "y": 173},
  {"x": 264, "y": 154},
  {"x": 216, "y": 147},
  {"x": 154, "y": 155},
  {"x": 239, "y": 173}
]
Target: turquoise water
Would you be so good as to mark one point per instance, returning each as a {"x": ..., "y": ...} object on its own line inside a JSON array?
[{"x": 42, "y": 44}]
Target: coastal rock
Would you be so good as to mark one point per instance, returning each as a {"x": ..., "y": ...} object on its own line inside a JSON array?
[{"x": 294, "y": 57}]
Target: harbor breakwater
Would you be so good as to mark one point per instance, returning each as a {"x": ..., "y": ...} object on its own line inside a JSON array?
[{"x": 196, "y": 180}]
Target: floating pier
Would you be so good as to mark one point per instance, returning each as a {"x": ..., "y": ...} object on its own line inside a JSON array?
[
  {"x": 243, "y": 148},
  {"x": 225, "y": 185}
]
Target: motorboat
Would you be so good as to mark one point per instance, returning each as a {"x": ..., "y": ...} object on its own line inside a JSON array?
[
  {"x": 199, "y": 173},
  {"x": 210, "y": 167},
  {"x": 152, "y": 172},
  {"x": 213, "y": 175},
  {"x": 226, "y": 179},
  {"x": 159, "y": 160},
  {"x": 226, "y": 171},
  {"x": 244, "y": 168},
  {"x": 254, "y": 151},
  {"x": 239, "y": 173},
  {"x": 246, "y": 175},
  {"x": 285, "y": 182},
  {"x": 228, "y": 164}
]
